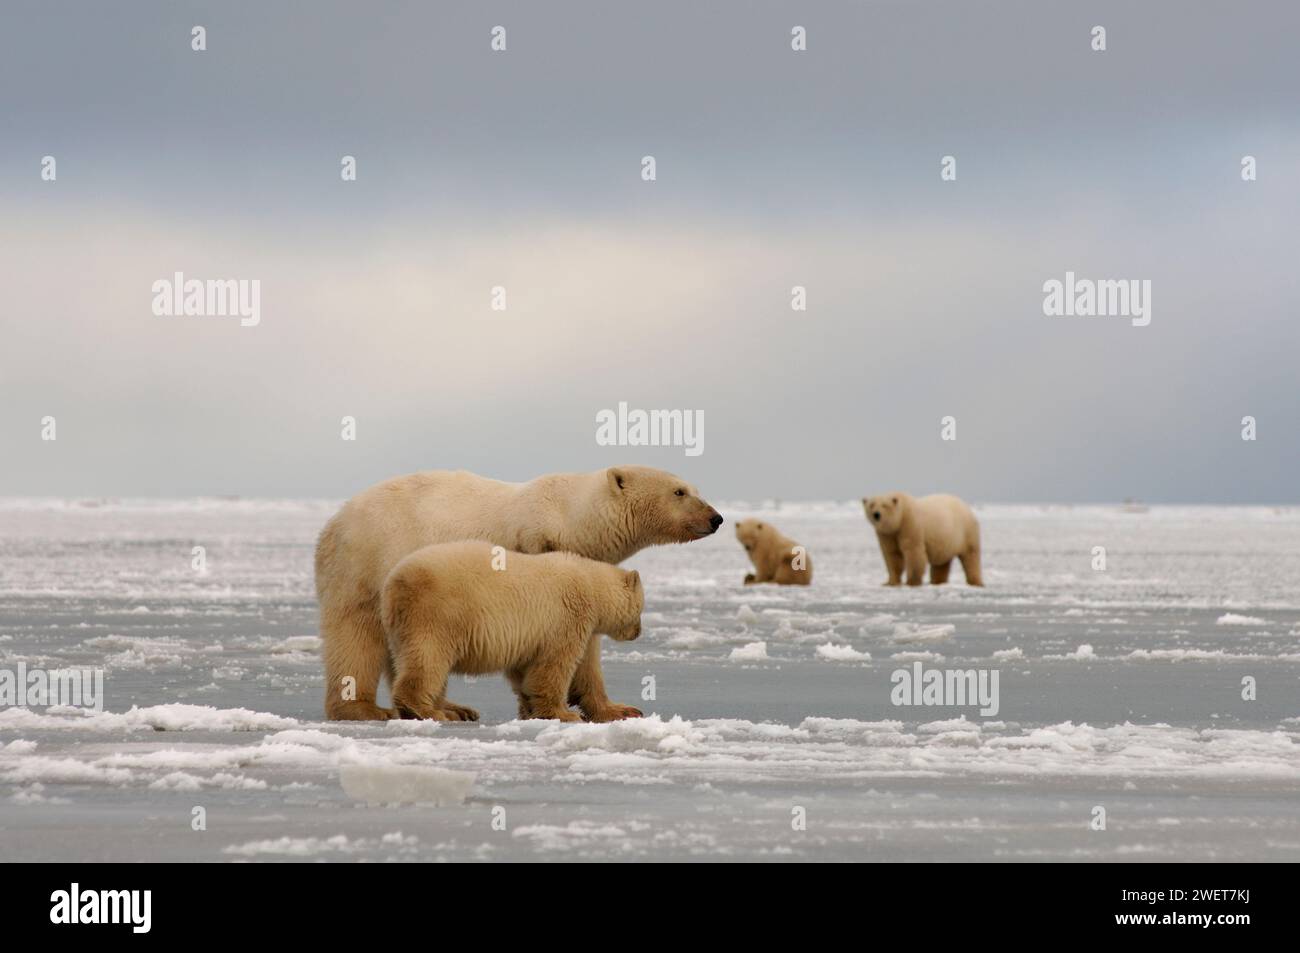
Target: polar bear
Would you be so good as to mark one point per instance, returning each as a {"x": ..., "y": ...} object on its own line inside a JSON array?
[
  {"x": 930, "y": 529},
  {"x": 776, "y": 558},
  {"x": 605, "y": 515},
  {"x": 473, "y": 608}
]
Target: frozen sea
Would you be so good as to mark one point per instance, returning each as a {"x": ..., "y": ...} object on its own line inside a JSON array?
[{"x": 1119, "y": 689}]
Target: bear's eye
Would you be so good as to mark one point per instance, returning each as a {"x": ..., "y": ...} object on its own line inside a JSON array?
[{"x": 679, "y": 492}]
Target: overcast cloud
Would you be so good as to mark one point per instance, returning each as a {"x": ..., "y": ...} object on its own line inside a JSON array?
[{"x": 775, "y": 169}]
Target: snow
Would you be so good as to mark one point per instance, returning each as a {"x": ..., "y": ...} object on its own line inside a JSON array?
[
  {"x": 906, "y": 633},
  {"x": 764, "y": 698},
  {"x": 572, "y": 836},
  {"x": 1232, "y": 618},
  {"x": 174, "y": 717},
  {"x": 292, "y": 846},
  {"x": 842, "y": 653}
]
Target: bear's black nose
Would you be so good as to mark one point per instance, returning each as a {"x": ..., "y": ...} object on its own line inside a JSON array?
[
  {"x": 876, "y": 517},
  {"x": 715, "y": 520}
]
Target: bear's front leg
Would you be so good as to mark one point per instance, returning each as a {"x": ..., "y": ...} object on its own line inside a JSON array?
[
  {"x": 893, "y": 561},
  {"x": 587, "y": 690},
  {"x": 915, "y": 563},
  {"x": 545, "y": 683},
  {"x": 456, "y": 712}
]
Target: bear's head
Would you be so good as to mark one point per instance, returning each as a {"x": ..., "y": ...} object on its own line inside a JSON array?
[
  {"x": 625, "y": 623},
  {"x": 660, "y": 507},
  {"x": 749, "y": 532},
  {"x": 885, "y": 513}
]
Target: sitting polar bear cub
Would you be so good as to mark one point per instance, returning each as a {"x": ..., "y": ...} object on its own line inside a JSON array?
[
  {"x": 933, "y": 530},
  {"x": 776, "y": 558},
  {"x": 472, "y": 608}
]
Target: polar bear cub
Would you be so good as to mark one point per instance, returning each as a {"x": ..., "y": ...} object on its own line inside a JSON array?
[
  {"x": 776, "y": 557},
  {"x": 472, "y": 608},
  {"x": 930, "y": 530}
]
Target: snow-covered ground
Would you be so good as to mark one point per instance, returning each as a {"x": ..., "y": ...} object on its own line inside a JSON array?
[{"x": 772, "y": 733}]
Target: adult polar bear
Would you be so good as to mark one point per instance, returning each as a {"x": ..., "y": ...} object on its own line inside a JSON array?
[{"x": 607, "y": 515}]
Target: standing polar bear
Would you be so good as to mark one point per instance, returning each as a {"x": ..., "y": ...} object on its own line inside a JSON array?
[
  {"x": 777, "y": 558},
  {"x": 607, "y": 515},
  {"x": 473, "y": 609},
  {"x": 933, "y": 530}
]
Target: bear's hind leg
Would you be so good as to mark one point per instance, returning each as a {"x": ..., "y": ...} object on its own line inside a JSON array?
[
  {"x": 939, "y": 573},
  {"x": 356, "y": 657},
  {"x": 516, "y": 678},
  {"x": 970, "y": 565},
  {"x": 423, "y": 665}
]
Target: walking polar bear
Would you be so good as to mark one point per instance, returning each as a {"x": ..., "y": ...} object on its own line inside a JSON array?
[
  {"x": 607, "y": 515},
  {"x": 777, "y": 558},
  {"x": 473, "y": 609},
  {"x": 933, "y": 530}
]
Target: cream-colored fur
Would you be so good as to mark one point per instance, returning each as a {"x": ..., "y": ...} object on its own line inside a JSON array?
[
  {"x": 774, "y": 555},
  {"x": 933, "y": 530},
  {"x": 458, "y": 607},
  {"x": 605, "y": 515}
]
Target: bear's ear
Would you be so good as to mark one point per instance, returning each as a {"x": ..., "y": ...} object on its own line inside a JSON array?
[
  {"x": 617, "y": 479},
  {"x": 632, "y": 580},
  {"x": 895, "y": 501}
]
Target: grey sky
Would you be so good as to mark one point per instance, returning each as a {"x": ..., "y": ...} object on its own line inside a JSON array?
[{"x": 774, "y": 169}]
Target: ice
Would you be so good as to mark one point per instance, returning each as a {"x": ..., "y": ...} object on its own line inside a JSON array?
[
  {"x": 758, "y": 700},
  {"x": 572, "y": 836},
  {"x": 685, "y": 638},
  {"x": 295, "y": 846},
  {"x": 905, "y": 633},
  {"x": 750, "y": 652},
  {"x": 842, "y": 653},
  {"x": 1231, "y": 618},
  {"x": 299, "y": 643},
  {"x": 173, "y": 717},
  {"x": 405, "y": 784}
]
